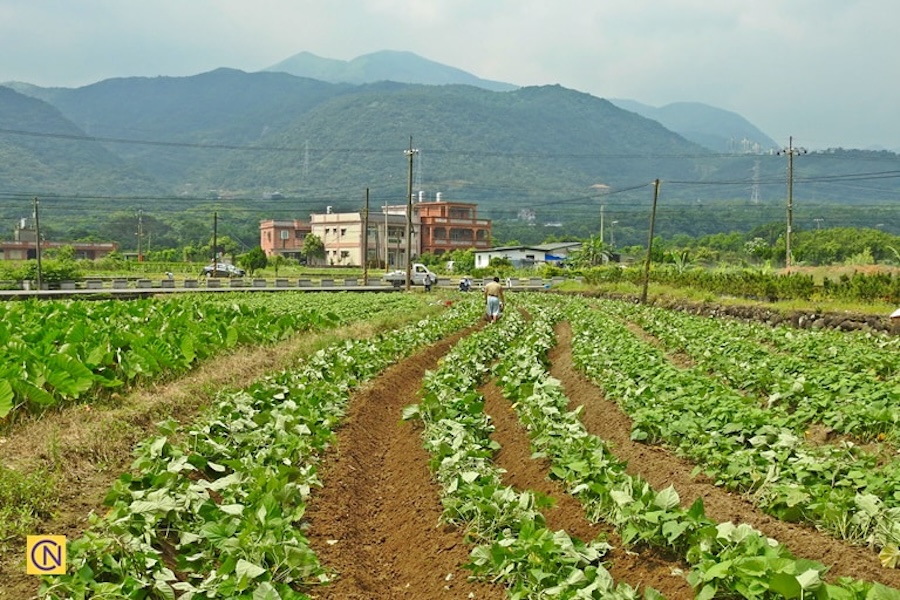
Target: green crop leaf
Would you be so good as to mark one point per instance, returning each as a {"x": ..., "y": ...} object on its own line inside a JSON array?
[
  {"x": 187, "y": 349},
  {"x": 667, "y": 498},
  {"x": 889, "y": 556},
  {"x": 707, "y": 593},
  {"x": 248, "y": 569},
  {"x": 265, "y": 591},
  {"x": 673, "y": 530},
  {"x": 231, "y": 336},
  {"x": 6, "y": 398},
  {"x": 164, "y": 590},
  {"x": 809, "y": 579},
  {"x": 232, "y": 509},
  {"x": 411, "y": 411},
  {"x": 33, "y": 394},
  {"x": 69, "y": 377},
  {"x": 882, "y": 592},
  {"x": 785, "y": 584},
  {"x": 718, "y": 571}
]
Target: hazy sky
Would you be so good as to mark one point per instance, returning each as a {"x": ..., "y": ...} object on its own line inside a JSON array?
[{"x": 822, "y": 71}]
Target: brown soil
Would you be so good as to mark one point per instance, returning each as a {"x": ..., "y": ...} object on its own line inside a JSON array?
[{"x": 661, "y": 468}]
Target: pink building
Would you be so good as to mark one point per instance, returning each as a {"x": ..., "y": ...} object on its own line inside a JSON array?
[{"x": 283, "y": 238}]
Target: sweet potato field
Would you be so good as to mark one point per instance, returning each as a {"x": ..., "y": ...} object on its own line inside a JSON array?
[{"x": 578, "y": 448}]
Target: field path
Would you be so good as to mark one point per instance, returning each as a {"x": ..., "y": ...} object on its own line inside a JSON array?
[
  {"x": 661, "y": 468},
  {"x": 376, "y": 522}
]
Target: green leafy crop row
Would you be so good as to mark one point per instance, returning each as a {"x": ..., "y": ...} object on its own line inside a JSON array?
[
  {"x": 514, "y": 546},
  {"x": 843, "y": 385},
  {"x": 58, "y": 351},
  {"x": 725, "y": 560},
  {"x": 739, "y": 442},
  {"x": 221, "y": 515}
]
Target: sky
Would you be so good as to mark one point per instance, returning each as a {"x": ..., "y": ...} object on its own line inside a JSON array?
[{"x": 822, "y": 72}]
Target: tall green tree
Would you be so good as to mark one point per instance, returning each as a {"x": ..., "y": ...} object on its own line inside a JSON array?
[
  {"x": 313, "y": 249},
  {"x": 254, "y": 260},
  {"x": 277, "y": 262}
]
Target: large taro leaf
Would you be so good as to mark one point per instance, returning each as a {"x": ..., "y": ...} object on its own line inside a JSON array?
[{"x": 6, "y": 398}]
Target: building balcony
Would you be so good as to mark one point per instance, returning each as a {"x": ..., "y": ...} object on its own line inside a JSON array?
[
  {"x": 446, "y": 221},
  {"x": 460, "y": 243}
]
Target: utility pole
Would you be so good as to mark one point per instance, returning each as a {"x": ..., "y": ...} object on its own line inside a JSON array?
[
  {"x": 602, "y": 209},
  {"x": 409, "y": 210},
  {"x": 365, "y": 241},
  {"x": 215, "y": 243},
  {"x": 650, "y": 242},
  {"x": 140, "y": 235},
  {"x": 37, "y": 244},
  {"x": 386, "y": 239},
  {"x": 790, "y": 151}
]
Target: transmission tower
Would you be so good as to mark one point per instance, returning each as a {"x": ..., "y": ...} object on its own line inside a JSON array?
[
  {"x": 306, "y": 161},
  {"x": 754, "y": 190},
  {"x": 417, "y": 183}
]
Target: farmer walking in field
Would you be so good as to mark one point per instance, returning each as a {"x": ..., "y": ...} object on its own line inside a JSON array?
[{"x": 493, "y": 293}]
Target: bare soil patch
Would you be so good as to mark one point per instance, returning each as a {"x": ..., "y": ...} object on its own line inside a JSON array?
[{"x": 662, "y": 468}]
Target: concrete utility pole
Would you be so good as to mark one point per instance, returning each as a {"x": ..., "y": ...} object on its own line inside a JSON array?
[
  {"x": 650, "y": 243},
  {"x": 386, "y": 238},
  {"x": 37, "y": 244},
  {"x": 140, "y": 235},
  {"x": 365, "y": 241},
  {"x": 215, "y": 243},
  {"x": 602, "y": 215},
  {"x": 409, "y": 210},
  {"x": 790, "y": 151}
]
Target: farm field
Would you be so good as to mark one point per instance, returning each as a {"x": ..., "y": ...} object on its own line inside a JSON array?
[{"x": 578, "y": 448}]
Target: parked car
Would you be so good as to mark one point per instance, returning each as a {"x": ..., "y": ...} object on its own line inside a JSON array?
[
  {"x": 419, "y": 273},
  {"x": 222, "y": 270}
]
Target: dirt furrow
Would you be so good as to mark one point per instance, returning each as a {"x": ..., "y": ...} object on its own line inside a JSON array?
[
  {"x": 376, "y": 522},
  {"x": 638, "y": 569},
  {"x": 661, "y": 468}
]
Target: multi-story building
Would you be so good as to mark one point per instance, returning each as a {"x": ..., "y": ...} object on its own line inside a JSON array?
[
  {"x": 342, "y": 236},
  {"x": 283, "y": 238},
  {"x": 448, "y": 226}
]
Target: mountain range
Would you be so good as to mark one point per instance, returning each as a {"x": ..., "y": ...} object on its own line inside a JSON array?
[
  {"x": 309, "y": 132},
  {"x": 715, "y": 128}
]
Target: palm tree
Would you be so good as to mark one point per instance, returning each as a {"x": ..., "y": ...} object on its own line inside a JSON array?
[{"x": 593, "y": 252}]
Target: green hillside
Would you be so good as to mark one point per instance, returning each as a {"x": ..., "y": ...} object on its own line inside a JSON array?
[{"x": 181, "y": 148}]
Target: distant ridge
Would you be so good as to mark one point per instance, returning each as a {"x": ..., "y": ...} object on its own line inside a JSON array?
[
  {"x": 714, "y": 128},
  {"x": 385, "y": 65}
]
